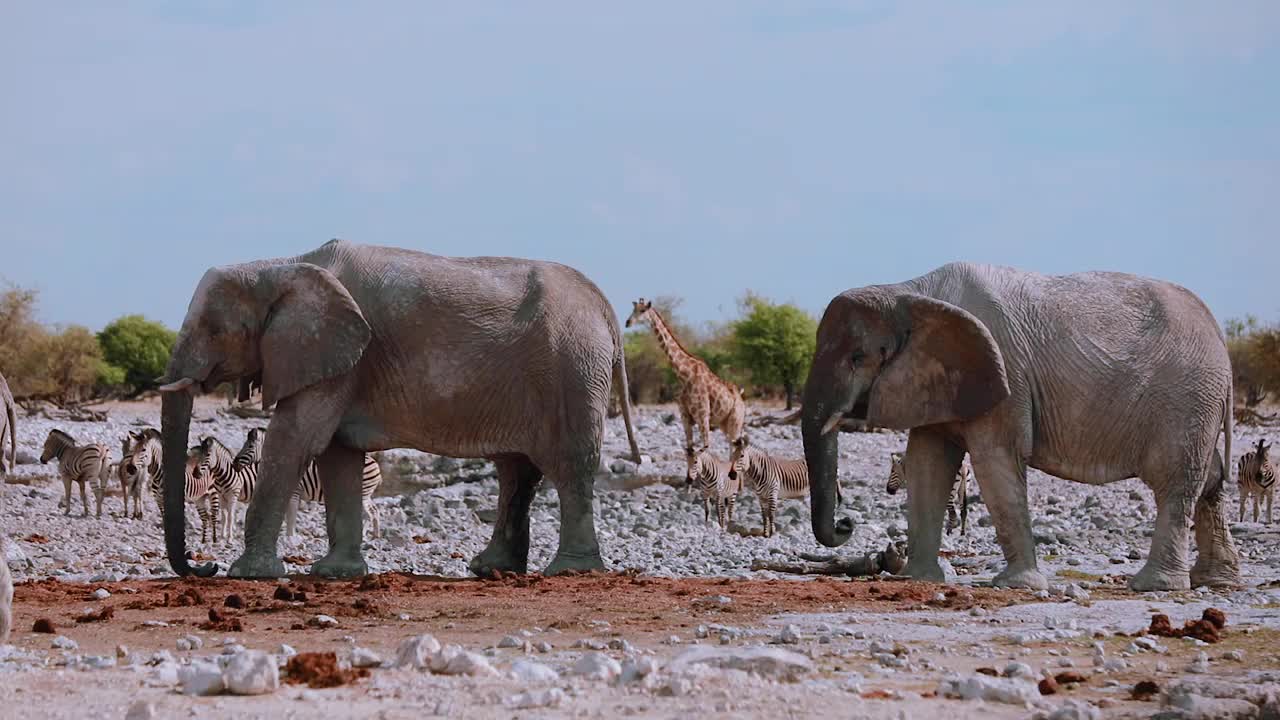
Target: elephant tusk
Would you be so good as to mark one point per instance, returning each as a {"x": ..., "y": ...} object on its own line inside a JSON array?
[
  {"x": 185, "y": 384},
  {"x": 831, "y": 423}
]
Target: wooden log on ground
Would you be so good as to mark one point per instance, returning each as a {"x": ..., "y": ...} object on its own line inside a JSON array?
[{"x": 890, "y": 560}]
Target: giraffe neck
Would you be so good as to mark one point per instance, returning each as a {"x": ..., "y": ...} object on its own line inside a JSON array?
[{"x": 681, "y": 361}]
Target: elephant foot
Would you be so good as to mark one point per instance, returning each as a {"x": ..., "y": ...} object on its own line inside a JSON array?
[
  {"x": 1215, "y": 572},
  {"x": 571, "y": 562},
  {"x": 257, "y": 566},
  {"x": 1026, "y": 577},
  {"x": 498, "y": 558},
  {"x": 928, "y": 570},
  {"x": 340, "y": 566},
  {"x": 1151, "y": 578}
]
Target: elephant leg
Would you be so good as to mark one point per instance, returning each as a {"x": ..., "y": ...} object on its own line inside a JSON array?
[
  {"x": 1177, "y": 486},
  {"x": 930, "y": 463},
  {"x": 1217, "y": 563},
  {"x": 579, "y": 549},
  {"x": 508, "y": 548},
  {"x": 300, "y": 429},
  {"x": 1002, "y": 479},
  {"x": 291, "y": 516},
  {"x": 340, "y": 471}
]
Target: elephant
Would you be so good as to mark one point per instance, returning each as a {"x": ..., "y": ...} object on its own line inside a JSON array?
[
  {"x": 1093, "y": 377},
  {"x": 363, "y": 348},
  {"x": 9, "y": 426}
]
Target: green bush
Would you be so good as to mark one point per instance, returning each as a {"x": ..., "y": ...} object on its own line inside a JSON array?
[
  {"x": 139, "y": 348},
  {"x": 775, "y": 343}
]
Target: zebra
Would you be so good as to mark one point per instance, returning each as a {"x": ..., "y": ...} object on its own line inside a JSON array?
[
  {"x": 310, "y": 489},
  {"x": 80, "y": 464},
  {"x": 771, "y": 479},
  {"x": 197, "y": 485},
  {"x": 131, "y": 478},
  {"x": 712, "y": 476},
  {"x": 959, "y": 490},
  {"x": 1257, "y": 478},
  {"x": 234, "y": 476}
]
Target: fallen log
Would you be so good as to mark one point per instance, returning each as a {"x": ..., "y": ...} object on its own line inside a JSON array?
[
  {"x": 245, "y": 412},
  {"x": 890, "y": 560}
]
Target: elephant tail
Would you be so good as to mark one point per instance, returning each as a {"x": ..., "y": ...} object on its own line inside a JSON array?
[
  {"x": 1228, "y": 420},
  {"x": 13, "y": 435},
  {"x": 620, "y": 383}
]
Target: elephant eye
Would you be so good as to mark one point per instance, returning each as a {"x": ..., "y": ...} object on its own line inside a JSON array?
[{"x": 857, "y": 357}]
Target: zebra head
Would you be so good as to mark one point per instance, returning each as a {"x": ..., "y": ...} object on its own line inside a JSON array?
[
  {"x": 56, "y": 444},
  {"x": 690, "y": 465},
  {"x": 1263, "y": 449},
  {"x": 639, "y": 309},
  {"x": 738, "y": 457}
]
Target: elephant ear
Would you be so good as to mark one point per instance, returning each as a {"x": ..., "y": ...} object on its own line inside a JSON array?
[
  {"x": 314, "y": 330},
  {"x": 947, "y": 368}
]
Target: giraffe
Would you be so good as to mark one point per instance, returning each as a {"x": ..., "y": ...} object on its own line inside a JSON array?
[{"x": 705, "y": 400}]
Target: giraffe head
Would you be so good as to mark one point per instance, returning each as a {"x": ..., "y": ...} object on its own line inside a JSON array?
[{"x": 639, "y": 311}]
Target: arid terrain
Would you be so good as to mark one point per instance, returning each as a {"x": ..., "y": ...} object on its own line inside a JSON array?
[{"x": 681, "y": 625}]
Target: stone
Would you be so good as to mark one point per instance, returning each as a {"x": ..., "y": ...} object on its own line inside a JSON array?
[
  {"x": 364, "y": 658},
  {"x": 416, "y": 652},
  {"x": 597, "y": 666},
  {"x": 511, "y": 641},
  {"x": 790, "y": 635},
  {"x": 637, "y": 669},
  {"x": 543, "y": 647},
  {"x": 1200, "y": 665},
  {"x": 1075, "y": 710},
  {"x": 532, "y": 699},
  {"x": 769, "y": 662},
  {"x": 990, "y": 689},
  {"x": 533, "y": 672},
  {"x": 201, "y": 677},
  {"x": 62, "y": 642},
  {"x": 323, "y": 621},
  {"x": 101, "y": 594},
  {"x": 454, "y": 660},
  {"x": 286, "y": 651},
  {"x": 190, "y": 642},
  {"x": 141, "y": 710},
  {"x": 1021, "y": 671},
  {"x": 251, "y": 672}
]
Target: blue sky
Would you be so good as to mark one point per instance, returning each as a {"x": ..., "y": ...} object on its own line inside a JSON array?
[{"x": 695, "y": 149}]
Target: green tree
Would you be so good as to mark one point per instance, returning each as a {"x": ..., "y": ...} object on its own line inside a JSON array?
[
  {"x": 775, "y": 343},
  {"x": 139, "y": 347}
]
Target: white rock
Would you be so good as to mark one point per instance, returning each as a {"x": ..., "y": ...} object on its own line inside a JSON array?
[
  {"x": 991, "y": 689},
  {"x": 62, "y": 642},
  {"x": 286, "y": 651},
  {"x": 190, "y": 642},
  {"x": 531, "y": 699},
  {"x": 364, "y": 658},
  {"x": 790, "y": 635},
  {"x": 1076, "y": 710},
  {"x": 770, "y": 662},
  {"x": 1021, "y": 671},
  {"x": 637, "y": 669},
  {"x": 597, "y": 666},
  {"x": 101, "y": 594},
  {"x": 511, "y": 641},
  {"x": 417, "y": 651},
  {"x": 251, "y": 672},
  {"x": 1200, "y": 665},
  {"x": 323, "y": 621},
  {"x": 201, "y": 678},
  {"x": 533, "y": 672},
  {"x": 453, "y": 660},
  {"x": 141, "y": 710}
]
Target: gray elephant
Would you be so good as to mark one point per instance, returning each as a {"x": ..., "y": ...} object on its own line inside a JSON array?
[
  {"x": 1094, "y": 377},
  {"x": 8, "y": 426},
  {"x": 365, "y": 348}
]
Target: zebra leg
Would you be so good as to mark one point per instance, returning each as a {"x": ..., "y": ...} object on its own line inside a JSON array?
[
  {"x": 1217, "y": 562},
  {"x": 1256, "y": 498},
  {"x": 1244, "y": 499},
  {"x": 84, "y": 499},
  {"x": 340, "y": 471},
  {"x": 508, "y": 548},
  {"x": 371, "y": 516},
  {"x": 1270, "y": 494}
]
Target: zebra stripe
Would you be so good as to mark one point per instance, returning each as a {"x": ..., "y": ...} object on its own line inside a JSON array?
[
  {"x": 311, "y": 490},
  {"x": 959, "y": 490},
  {"x": 1257, "y": 478},
  {"x": 197, "y": 484},
  {"x": 712, "y": 477},
  {"x": 772, "y": 479},
  {"x": 79, "y": 464},
  {"x": 234, "y": 476},
  {"x": 130, "y": 476}
]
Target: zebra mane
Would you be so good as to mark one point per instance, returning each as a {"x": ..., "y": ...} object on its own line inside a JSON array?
[{"x": 62, "y": 435}]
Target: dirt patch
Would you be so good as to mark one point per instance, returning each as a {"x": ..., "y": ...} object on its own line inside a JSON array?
[
  {"x": 1144, "y": 691},
  {"x": 218, "y": 622},
  {"x": 235, "y": 602},
  {"x": 319, "y": 670},
  {"x": 44, "y": 625},
  {"x": 35, "y": 538}
]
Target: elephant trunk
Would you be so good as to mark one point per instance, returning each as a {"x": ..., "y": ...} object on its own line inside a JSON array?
[
  {"x": 175, "y": 423},
  {"x": 821, "y": 455}
]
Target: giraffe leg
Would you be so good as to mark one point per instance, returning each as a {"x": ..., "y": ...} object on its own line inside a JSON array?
[{"x": 704, "y": 420}]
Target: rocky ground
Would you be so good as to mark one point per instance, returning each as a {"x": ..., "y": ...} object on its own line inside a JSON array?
[{"x": 682, "y": 625}]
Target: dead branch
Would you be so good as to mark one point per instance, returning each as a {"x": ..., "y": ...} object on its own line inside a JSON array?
[
  {"x": 890, "y": 560},
  {"x": 245, "y": 412},
  {"x": 1249, "y": 416}
]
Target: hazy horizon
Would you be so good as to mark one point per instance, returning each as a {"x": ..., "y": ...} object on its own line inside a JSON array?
[{"x": 665, "y": 149}]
